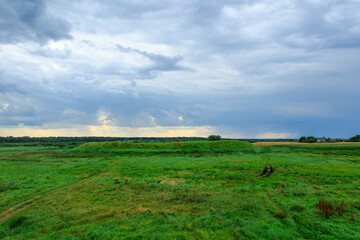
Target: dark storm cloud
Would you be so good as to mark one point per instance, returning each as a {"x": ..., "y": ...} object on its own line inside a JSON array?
[
  {"x": 328, "y": 24},
  {"x": 160, "y": 63},
  {"x": 28, "y": 20}
]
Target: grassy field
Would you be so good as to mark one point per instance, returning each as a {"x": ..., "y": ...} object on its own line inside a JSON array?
[{"x": 180, "y": 190}]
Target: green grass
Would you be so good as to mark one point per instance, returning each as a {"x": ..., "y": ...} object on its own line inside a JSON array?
[
  {"x": 28, "y": 171},
  {"x": 192, "y": 190},
  {"x": 151, "y": 148}
]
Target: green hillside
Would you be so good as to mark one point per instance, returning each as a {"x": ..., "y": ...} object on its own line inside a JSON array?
[{"x": 230, "y": 146}]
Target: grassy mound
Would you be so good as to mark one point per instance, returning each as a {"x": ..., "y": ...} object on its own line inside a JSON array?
[{"x": 173, "y": 147}]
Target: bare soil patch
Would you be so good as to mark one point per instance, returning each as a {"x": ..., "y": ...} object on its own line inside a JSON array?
[{"x": 172, "y": 181}]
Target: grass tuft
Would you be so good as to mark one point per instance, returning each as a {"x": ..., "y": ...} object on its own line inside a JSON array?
[
  {"x": 17, "y": 221},
  {"x": 8, "y": 187}
]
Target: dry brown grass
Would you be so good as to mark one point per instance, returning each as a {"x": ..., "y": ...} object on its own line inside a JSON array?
[
  {"x": 141, "y": 209},
  {"x": 172, "y": 181},
  {"x": 297, "y": 143}
]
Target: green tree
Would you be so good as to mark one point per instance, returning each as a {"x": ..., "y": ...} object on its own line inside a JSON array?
[
  {"x": 214, "y": 138},
  {"x": 355, "y": 138},
  {"x": 311, "y": 139}
]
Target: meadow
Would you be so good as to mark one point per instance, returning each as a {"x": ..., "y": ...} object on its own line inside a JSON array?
[{"x": 180, "y": 190}]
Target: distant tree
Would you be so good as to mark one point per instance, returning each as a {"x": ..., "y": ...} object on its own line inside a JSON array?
[
  {"x": 214, "y": 138},
  {"x": 355, "y": 138},
  {"x": 310, "y": 139}
]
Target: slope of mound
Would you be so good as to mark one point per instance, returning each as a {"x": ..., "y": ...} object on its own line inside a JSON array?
[{"x": 172, "y": 147}]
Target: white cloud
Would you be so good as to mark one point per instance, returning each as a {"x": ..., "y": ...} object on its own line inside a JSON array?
[
  {"x": 3, "y": 106},
  {"x": 104, "y": 117}
]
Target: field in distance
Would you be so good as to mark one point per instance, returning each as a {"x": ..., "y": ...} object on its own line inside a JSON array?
[
  {"x": 180, "y": 190},
  {"x": 297, "y": 143}
]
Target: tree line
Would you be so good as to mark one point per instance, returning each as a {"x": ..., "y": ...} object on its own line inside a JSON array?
[
  {"x": 27, "y": 139},
  {"x": 312, "y": 139}
]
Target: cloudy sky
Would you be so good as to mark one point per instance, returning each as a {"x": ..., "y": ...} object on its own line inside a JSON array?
[{"x": 241, "y": 69}]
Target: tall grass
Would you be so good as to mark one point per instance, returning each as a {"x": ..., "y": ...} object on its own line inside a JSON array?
[
  {"x": 230, "y": 146},
  {"x": 193, "y": 190}
]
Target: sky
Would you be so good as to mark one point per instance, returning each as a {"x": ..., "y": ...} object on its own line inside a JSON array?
[{"x": 240, "y": 69}]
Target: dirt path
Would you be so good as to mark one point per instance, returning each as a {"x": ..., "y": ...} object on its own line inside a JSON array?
[
  {"x": 279, "y": 211},
  {"x": 15, "y": 212},
  {"x": 6, "y": 214},
  {"x": 17, "y": 205}
]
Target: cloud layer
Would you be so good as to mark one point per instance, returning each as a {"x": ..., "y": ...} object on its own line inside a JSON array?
[
  {"x": 29, "y": 20},
  {"x": 236, "y": 68}
]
